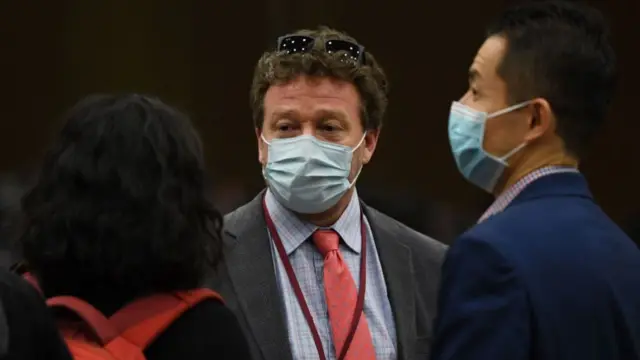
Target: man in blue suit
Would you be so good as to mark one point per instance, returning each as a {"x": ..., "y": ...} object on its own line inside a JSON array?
[{"x": 545, "y": 274}]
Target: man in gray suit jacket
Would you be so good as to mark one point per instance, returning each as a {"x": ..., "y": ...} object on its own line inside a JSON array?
[{"x": 310, "y": 270}]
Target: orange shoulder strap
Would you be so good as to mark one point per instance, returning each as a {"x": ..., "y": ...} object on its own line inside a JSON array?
[
  {"x": 21, "y": 269},
  {"x": 32, "y": 280},
  {"x": 144, "y": 319},
  {"x": 102, "y": 329}
]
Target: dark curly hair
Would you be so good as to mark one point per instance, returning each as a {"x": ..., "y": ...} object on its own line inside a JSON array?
[
  {"x": 120, "y": 203},
  {"x": 369, "y": 78}
]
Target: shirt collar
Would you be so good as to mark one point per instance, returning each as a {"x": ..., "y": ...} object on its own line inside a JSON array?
[
  {"x": 504, "y": 199},
  {"x": 293, "y": 231}
]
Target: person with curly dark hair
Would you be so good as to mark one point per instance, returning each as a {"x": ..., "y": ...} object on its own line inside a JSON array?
[{"x": 120, "y": 212}]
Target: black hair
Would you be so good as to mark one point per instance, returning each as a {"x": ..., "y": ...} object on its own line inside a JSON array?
[
  {"x": 560, "y": 51},
  {"x": 121, "y": 202}
]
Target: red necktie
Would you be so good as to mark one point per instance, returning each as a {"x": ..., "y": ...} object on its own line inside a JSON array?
[{"x": 341, "y": 295}]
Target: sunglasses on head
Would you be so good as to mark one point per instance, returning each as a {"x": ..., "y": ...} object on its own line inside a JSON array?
[{"x": 291, "y": 44}]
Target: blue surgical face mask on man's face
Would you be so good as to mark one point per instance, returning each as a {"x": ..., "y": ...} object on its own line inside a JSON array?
[
  {"x": 466, "y": 136},
  {"x": 308, "y": 175}
]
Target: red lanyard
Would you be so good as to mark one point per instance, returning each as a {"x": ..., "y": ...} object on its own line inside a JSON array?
[{"x": 298, "y": 291}]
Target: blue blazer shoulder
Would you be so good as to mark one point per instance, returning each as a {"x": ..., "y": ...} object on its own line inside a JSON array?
[{"x": 551, "y": 277}]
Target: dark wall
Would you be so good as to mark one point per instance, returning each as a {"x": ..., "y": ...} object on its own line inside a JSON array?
[{"x": 199, "y": 55}]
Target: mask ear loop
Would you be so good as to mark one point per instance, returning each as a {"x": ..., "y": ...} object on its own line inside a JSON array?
[
  {"x": 355, "y": 178},
  {"x": 359, "y": 142},
  {"x": 509, "y": 109},
  {"x": 361, "y": 166},
  {"x": 265, "y": 140},
  {"x": 503, "y": 159}
]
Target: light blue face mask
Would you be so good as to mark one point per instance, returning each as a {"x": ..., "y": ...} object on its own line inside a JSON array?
[
  {"x": 466, "y": 136},
  {"x": 307, "y": 175}
]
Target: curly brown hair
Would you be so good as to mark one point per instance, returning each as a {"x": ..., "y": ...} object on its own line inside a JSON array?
[{"x": 369, "y": 79}]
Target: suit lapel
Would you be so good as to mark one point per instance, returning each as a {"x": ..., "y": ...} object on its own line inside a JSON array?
[
  {"x": 250, "y": 266},
  {"x": 398, "y": 273}
]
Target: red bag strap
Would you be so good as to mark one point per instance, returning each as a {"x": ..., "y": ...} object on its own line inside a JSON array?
[
  {"x": 21, "y": 268},
  {"x": 32, "y": 280},
  {"x": 100, "y": 326},
  {"x": 141, "y": 321}
]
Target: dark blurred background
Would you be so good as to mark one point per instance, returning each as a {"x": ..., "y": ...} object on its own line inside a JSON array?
[{"x": 199, "y": 55}]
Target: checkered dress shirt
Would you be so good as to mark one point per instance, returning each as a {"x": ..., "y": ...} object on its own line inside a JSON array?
[
  {"x": 307, "y": 263},
  {"x": 507, "y": 196}
]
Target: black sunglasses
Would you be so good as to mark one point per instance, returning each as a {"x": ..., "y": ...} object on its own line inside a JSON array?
[{"x": 290, "y": 44}]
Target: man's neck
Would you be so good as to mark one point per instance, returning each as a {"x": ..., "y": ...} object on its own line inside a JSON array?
[
  {"x": 330, "y": 216},
  {"x": 529, "y": 164}
]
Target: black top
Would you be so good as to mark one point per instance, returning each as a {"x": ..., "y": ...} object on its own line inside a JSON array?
[
  {"x": 207, "y": 331},
  {"x": 32, "y": 330}
]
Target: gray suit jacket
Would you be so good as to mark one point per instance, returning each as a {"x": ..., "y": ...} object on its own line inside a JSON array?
[{"x": 246, "y": 280}]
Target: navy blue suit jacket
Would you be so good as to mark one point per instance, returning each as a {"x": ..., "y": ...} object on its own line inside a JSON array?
[{"x": 551, "y": 277}]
